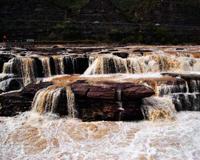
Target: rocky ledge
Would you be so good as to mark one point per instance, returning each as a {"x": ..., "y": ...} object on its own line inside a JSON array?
[
  {"x": 14, "y": 102},
  {"x": 110, "y": 100}
]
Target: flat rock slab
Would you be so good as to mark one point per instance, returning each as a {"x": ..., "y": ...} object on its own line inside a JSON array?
[
  {"x": 190, "y": 76},
  {"x": 111, "y": 90}
]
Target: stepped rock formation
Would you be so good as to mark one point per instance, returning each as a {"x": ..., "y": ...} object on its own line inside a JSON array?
[
  {"x": 103, "y": 83},
  {"x": 109, "y": 64},
  {"x": 30, "y": 68},
  {"x": 101, "y": 101}
]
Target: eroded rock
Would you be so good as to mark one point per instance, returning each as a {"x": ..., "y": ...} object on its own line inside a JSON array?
[
  {"x": 110, "y": 90},
  {"x": 11, "y": 103}
]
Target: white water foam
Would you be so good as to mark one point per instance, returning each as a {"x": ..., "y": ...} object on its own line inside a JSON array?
[{"x": 33, "y": 137}]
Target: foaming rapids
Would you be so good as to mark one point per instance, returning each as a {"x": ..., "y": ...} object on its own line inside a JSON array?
[
  {"x": 105, "y": 64},
  {"x": 34, "y": 136},
  {"x": 155, "y": 108}
]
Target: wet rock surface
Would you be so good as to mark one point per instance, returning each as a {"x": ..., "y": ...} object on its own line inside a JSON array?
[
  {"x": 98, "y": 110},
  {"x": 12, "y": 103},
  {"x": 92, "y": 102},
  {"x": 113, "y": 84},
  {"x": 121, "y": 54},
  {"x": 4, "y": 58},
  {"x": 6, "y": 76},
  {"x": 109, "y": 101},
  {"x": 111, "y": 91},
  {"x": 10, "y": 84}
]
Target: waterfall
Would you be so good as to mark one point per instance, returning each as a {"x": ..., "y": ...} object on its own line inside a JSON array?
[
  {"x": 23, "y": 67},
  {"x": 186, "y": 97},
  {"x": 72, "y": 112},
  {"x": 194, "y": 86},
  {"x": 119, "y": 102},
  {"x": 187, "y": 101},
  {"x": 53, "y": 99},
  {"x": 47, "y": 100},
  {"x": 8, "y": 66},
  {"x": 27, "y": 70},
  {"x": 46, "y": 66},
  {"x": 105, "y": 64},
  {"x": 59, "y": 64},
  {"x": 158, "y": 108},
  {"x": 69, "y": 65},
  {"x": 30, "y": 68},
  {"x": 165, "y": 89}
]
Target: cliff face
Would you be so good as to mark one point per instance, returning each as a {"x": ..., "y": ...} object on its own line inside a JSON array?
[{"x": 115, "y": 20}]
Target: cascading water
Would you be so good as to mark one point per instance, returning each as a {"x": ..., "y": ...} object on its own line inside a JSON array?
[
  {"x": 71, "y": 106},
  {"x": 55, "y": 100},
  {"x": 36, "y": 135},
  {"x": 47, "y": 100},
  {"x": 120, "y": 104},
  {"x": 29, "y": 69},
  {"x": 46, "y": 66},
  {"x": 186, "y": 97},
  {"x": 155, "y": 108},
  {"x": 7, "y": 67},
  {"x": 106, "y": 64},
  {"x": 22, "y": 67},
  {"x": 59, "y": 64},
  {"x": 187, "y": 101}
]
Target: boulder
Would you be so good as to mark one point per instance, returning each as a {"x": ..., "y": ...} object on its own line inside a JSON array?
[{"x": 10, "y": 84}]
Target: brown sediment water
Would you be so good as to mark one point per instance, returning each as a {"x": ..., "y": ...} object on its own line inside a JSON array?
[
  {"x": 32, "y": 136},
  {"x": 52, "y": 130}
]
